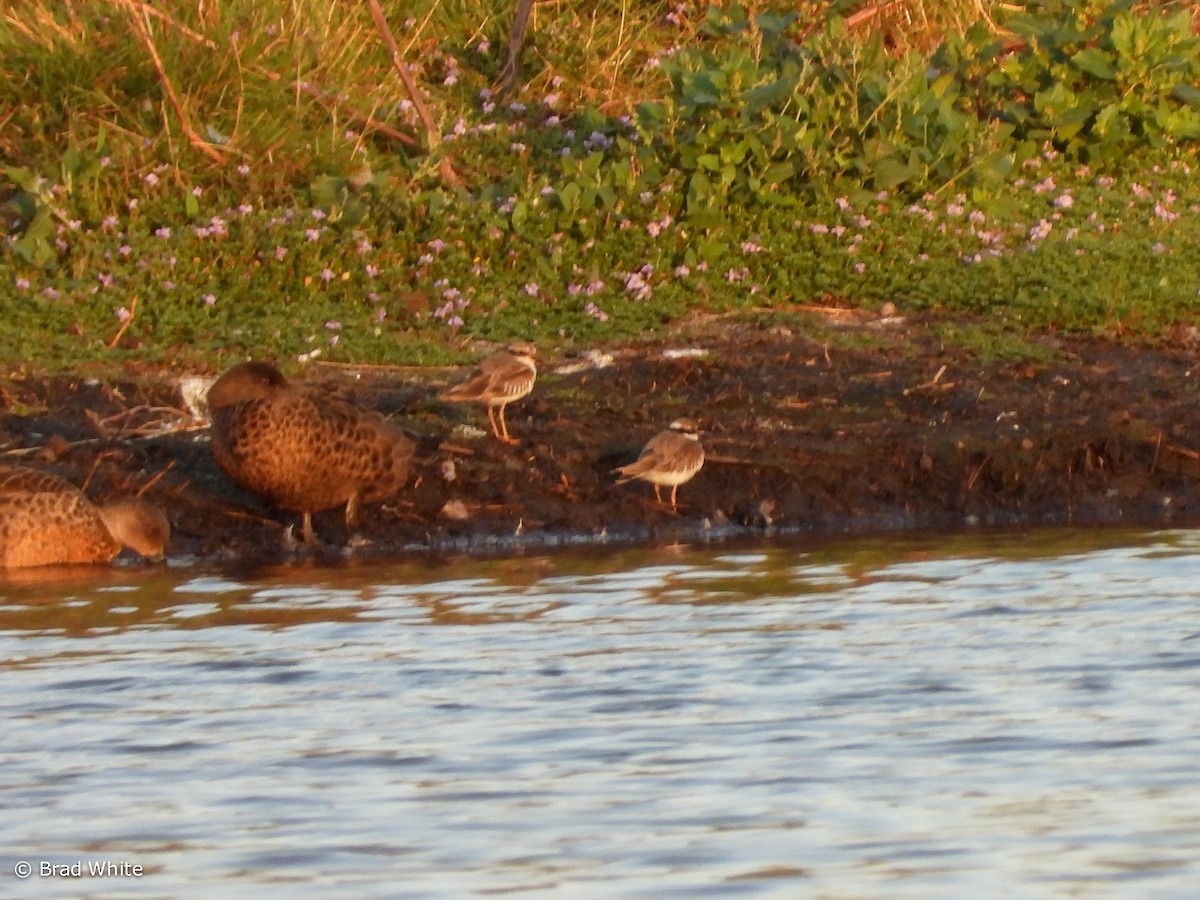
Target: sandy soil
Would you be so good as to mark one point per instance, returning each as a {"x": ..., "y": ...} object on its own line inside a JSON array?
[{"x": 879, "y": 429}]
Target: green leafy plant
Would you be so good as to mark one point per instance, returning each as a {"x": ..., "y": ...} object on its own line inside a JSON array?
[{"x": 1092, "y": 78}]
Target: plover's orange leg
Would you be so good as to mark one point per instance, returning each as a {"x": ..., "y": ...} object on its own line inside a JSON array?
[
  {"x": 504, "y": 426},
  {"x": 310, "y": 536}
]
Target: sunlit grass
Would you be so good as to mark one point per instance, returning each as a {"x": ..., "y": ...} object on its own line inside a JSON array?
[{"x": 312, "y": 222}]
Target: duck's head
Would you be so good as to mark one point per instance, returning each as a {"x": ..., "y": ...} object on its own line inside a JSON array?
[
  {"x": 246, "y": 381},
  {"x": 137, "y": 524}
]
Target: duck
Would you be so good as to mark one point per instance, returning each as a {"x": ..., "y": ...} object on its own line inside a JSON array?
[
  {"x": 498, "y": 381},
  {"x": 301, "y": 450},
  {"x": 669, "y": 459},
  {"x": 46, "y": 520}
]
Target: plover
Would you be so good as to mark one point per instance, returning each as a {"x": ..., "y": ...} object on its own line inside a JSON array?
[
  {"x": 301, "y": 450},
  {"x": 499, "y": 380},
  {"x": 671, "y": 458}
]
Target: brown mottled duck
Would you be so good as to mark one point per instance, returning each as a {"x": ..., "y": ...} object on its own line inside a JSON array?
[
  {"x": 46, "y": 520},
  {"x": 301, "y": 450}
]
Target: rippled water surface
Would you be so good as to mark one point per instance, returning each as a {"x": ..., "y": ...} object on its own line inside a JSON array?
[{"x": 1013, "y": 715}]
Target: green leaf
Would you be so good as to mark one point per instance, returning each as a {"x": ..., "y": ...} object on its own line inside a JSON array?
[
  {"x": 778, "y": 172},
  {"x": 772, "y": 25},
  {"x": 1187, "y": 93},
  {"x": 769, "y": 94},
  {"x": 734, "y": 152},
  {"x": 591, "y": 164},
  {"x": 699, "y": 192},
  {"x": 568, "y": 196},
  {"x": 1095, "y": 62},
  {"x": 712, "y": 251},
  {"x": 520, "y": 214},
  {"x": 890, "y": 171},
  {"x": 622, "y": 173}
]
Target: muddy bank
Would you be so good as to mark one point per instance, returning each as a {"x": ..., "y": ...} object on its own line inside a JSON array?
[{"x": 814, "y": 424}]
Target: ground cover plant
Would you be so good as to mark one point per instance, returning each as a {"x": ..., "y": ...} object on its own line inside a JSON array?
[{"x": 192, "y": 183}]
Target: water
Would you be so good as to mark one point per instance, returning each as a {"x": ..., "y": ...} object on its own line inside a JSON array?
[{"x": 1002, "y": 716}]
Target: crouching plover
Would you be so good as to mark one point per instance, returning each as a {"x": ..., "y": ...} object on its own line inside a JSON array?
[{"x": 671, "y": 458}]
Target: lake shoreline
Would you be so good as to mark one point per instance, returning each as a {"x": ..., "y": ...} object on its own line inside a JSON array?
[{"x": 817, "y": 423}]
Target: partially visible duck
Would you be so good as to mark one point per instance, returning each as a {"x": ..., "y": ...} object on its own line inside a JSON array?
[
  {"x": 46, "y": 520},
  {"x": 301, "y": 450},
  {"x": 498, "y": 381}
]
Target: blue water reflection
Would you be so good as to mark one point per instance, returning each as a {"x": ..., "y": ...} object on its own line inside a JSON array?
[{"x": 1003, "y": 716}]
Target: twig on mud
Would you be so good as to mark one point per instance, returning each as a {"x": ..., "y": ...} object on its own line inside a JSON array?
[
  {"x": 456, "y": 448},
  {"x": 791, "y": 403},
  {"x": 183, "y": 422},
  {"x": 834, "y": 312},
  {"x": 1182, "y": 451},
  {"x": 91, "y": 471},
  {"x": 384, "y": 368},
  {"x": 975, "y": 475},
  {"x": 935, "y": 383},
  {"x": 157, "y": 478},
  {"x": 169, "y": 421}
]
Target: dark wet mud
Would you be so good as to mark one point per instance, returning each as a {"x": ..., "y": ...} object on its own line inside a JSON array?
[{"x": 819, "y": 425}]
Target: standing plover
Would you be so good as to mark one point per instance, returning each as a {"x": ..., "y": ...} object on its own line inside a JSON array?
[
  {"x": 668, "y": 460},
  {"x": 301, "y": 450},
  {"x": 499, "y": 380}
]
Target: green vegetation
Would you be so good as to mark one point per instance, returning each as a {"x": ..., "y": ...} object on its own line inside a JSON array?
[{"x": 192, "y": 183}]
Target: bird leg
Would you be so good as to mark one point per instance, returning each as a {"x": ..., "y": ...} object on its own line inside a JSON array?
[
  {"x": 352, "y": 510},
  {"x": 310, "y": 536},
  {"x": 503, "y": 426}
]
